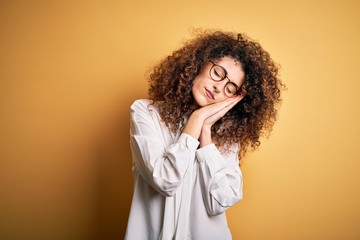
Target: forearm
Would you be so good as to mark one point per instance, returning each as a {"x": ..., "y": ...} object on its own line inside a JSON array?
[
  {"x": 194, "y": 125},
  {"x": 205, "y": 136},
  {"x": 162, "y": 164}
]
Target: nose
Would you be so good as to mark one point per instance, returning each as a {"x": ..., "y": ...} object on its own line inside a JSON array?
[
  {"x": 219, "y": 86},
  {"x": 216, "y": 89}
]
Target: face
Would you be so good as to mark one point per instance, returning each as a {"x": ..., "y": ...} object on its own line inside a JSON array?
[{"x": 212, "y": 85}]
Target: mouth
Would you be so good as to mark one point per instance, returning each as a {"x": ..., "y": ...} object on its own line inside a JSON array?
[{"x": 209, "y": 94}]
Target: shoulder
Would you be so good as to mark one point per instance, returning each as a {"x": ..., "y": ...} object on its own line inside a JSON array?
[
  {"x": 143, "y": 111},
  {"x": 140, "y": 104},
  {"x": 143, "y": 106}
]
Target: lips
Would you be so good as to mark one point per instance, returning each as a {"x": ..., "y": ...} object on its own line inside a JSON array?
[{"x": 209, "y": 94}]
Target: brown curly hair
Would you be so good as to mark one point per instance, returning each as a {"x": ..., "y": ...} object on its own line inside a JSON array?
[{"x": 254, "y": 116}]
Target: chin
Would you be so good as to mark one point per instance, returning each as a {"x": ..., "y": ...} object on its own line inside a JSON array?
[
  {"x": 202, "y": 103},
  {"x": 200, "y": 99}
]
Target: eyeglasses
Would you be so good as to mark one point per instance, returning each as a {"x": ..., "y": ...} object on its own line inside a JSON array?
[{"x": 218, "y": 73}]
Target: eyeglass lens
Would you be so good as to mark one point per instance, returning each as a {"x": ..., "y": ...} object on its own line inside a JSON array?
[{"x": 217, "y": 73}]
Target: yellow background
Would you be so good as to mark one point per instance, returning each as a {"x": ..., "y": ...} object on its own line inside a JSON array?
[{"x": 70, "y": 70}]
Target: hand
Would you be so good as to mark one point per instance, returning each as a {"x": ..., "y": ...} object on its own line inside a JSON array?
[
  {"x": 203, "y": 118},
  {"x": 216, "y": 111}
]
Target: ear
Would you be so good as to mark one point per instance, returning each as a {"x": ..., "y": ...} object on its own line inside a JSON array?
[
  {"x": 241, "y": 95},
  {"x": 242, "y": 91}
]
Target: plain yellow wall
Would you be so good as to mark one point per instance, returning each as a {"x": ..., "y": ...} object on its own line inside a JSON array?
[{"x": 70, "y": 70}]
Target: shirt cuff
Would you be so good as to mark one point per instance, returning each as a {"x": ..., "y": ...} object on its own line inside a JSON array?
[
  {"x": 188, "y": 141},
  {"x": 211, "y": 156}
]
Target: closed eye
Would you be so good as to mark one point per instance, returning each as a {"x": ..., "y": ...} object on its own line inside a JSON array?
[
  {"x": 217, "y": 73},
  {"x": 229, "y": 90}
]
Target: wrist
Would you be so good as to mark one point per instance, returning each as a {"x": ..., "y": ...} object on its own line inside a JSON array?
[
  {"x": 205, "y": 136},
  {"x": 206, "y": 129}
]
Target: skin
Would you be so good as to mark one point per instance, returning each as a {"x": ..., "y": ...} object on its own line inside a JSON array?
[{"x": 212, "y": 108}]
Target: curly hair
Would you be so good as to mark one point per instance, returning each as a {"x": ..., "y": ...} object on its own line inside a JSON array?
[{"x": 172, "y": 78}]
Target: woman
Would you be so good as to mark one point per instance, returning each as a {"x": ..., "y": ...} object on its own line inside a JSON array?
[{"x": 209, "y": 102}]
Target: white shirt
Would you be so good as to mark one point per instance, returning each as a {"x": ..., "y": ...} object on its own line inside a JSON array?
[{"x": 181, "y": 191}]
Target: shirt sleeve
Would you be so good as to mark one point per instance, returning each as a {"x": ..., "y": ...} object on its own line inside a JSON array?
[
  {"x": 220, "y": 177},
  {"x": 163, "y": 167}
]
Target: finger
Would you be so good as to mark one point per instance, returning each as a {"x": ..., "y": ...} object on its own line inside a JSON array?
[
  {"x": 222, "y": 111},
  {"x": 229, "y": 106},
  {"x": 225, "y": 105},
  {"x": 236, "y": 100}
]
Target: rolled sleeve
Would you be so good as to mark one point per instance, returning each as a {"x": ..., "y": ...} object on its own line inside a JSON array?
[
  {"x": 188, "y": 141},
  {"x": 209, "y": 155},
  {"x": 163, "y": 166},
  {"x": 221, "y": 178}
]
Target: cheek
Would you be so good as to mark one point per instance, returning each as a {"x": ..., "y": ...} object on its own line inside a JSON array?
[{"x": 195, "y": 84}]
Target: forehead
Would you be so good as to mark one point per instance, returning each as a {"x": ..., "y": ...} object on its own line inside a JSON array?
[{"x": 233, "y": 68}]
